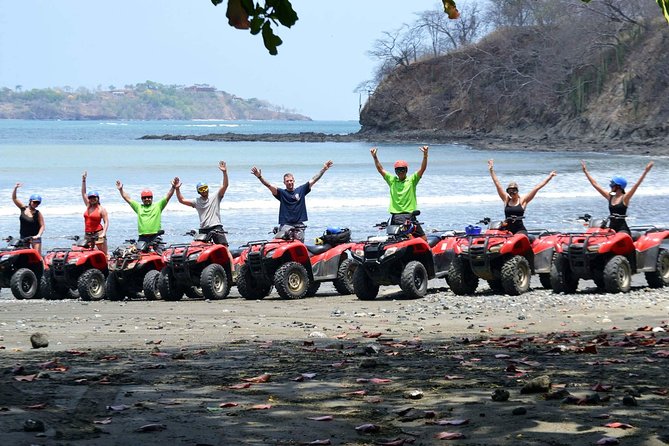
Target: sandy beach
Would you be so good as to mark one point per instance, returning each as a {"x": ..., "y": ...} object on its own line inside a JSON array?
[{"x": 335, "y": 370}]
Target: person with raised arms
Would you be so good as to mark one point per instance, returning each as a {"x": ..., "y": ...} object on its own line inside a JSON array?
[
  {"x": 148, "y": 213},
  {"x": 31, "y": 220},
  {"x": 514, "y": 203},
  {"x": 293, "y": 205},
  {"x": 618, "y": 199},
  {"x": 94, "y": 216}
]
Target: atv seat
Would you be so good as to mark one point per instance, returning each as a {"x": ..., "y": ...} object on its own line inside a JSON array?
[
  {"x": 432, "y": 240},
  {"x": 636, "y": 234},
  {"x": 236, "y": 252},
  {"x": 318, "y": 249}
]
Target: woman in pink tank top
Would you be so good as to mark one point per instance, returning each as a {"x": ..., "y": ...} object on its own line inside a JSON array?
[{"x": 96, "y": 220}]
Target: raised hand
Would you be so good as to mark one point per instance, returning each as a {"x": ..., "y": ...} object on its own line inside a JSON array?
[
  {"x": 328, "y": 164},
  {"x": 491, "y": 164},
  {"x": 119, "y": 185},
  {"x": 373, "y": 151},
  {"x": 424, "y": 149},
  {"x": 222, "y": 166},
  {"x": 255, "y": 171}
]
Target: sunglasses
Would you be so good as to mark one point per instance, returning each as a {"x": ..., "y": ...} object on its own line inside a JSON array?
[
  {"x": 35, "y": 202},
  {"x": 147, "y": 198},
  {"x": 203, "y": 189},
  {"x": 613, "y": 185},
  {"x": 401, "y": 169},
  {"x": 512, "y": 191}
]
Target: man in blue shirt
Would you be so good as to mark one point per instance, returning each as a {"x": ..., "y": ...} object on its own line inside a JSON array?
[{"x": 293, "y": 206}]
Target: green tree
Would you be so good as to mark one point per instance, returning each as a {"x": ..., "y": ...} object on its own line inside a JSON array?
[{"x": 259, "y": 19}]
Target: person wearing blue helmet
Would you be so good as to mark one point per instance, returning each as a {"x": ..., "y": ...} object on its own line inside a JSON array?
[
  {"x": 31, "y": 220},
  {"x": 617, "y": 197},
  {"x": 96, "y": 219}
]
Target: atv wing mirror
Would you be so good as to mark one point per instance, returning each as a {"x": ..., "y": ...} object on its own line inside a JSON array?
[
  {"x": 415, "y": 213},
  {"x": 161, "y": 232},
  {"x": 191, "y": 232}
]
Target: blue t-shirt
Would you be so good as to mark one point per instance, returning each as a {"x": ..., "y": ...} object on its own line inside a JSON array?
[{"x": 293, "y": 207}]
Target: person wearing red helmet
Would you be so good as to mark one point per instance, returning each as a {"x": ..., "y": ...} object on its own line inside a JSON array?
[
  {"x": 148, "y": 213},
  {"x": 96, "y": 219},
  {"x": 31, "y": 220},
  {"x": 402, "y": 188}
]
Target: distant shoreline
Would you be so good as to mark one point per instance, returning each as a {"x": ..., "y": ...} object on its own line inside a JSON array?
[{"x": 658, "y": 147}]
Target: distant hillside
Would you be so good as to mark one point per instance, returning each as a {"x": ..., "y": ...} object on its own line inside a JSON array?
[
  {"x": 145, "y": 101},
  {"x": 573, "y": 81}
]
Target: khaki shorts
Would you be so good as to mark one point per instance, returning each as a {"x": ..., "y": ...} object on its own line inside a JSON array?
[{"x": 97, "y": 236}]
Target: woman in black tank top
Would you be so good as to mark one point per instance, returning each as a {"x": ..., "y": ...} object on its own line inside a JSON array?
[
  {"x": 31, "y": 220},
  {"x": 514, "y": 203},
  {"x": 617, "y": 197}
]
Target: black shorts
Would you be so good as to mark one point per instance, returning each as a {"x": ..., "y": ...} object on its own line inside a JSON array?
[{"x": 218, "y": 236}]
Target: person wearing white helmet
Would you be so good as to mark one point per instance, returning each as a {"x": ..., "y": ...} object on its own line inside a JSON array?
[
  {"x": 617, "y": 197},
  {"x": 402, "y": 188},
  {"x": 96, "y": 219},
  {"x": 31, "y": 220}
]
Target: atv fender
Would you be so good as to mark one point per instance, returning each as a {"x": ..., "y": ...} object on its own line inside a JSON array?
[
  {"x": 620, "y": 243},
  {"x": 518, "y": 245},
  {"x": 646, "y": 253},
  {"x": 214, "y": 254},
  {"x": 97, "y": 260}
]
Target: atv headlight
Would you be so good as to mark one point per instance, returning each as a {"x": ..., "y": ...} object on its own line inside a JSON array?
[
  {"x": 194, "y": 257},
  {"x": 496, "y": 248},
  {"x": 464, "y": 248},
  {"x": 593, "y": 248},
  {"x": 5, "y": 257},
  {"x": 360, "y": 252},
  {"x": 270, "y": 253},
  {"x": 390, "y": 251},
  {"x": 72, "y": 261}
]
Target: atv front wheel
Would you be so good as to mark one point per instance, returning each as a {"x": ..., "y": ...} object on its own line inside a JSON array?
[
  {"x": 168, "y": 287},
  {"x": 214, "y": 282},
  {"x": 413, "y": 280},
  {"x": 461, "y": 279},
  {"x": 291, "y": 280},
  {"x": 516, "y": 274},
  {"x": 617, "y": 275},
  {"x": 24, "y": 284},
  {"x": 344, "y": 281},
  {"x": 91, "y": 285},
  {"x": 313, "y": 289},
  {"x": 563, "y": 279},
  {"x": 365, "y": 288},
  {"x": 150, "y": 285},
  {"x": 249, "y": 287},
  {"x": 545, "y": 280},
  {"x": 496, "y": 286},
  {"x": 660, "y": 277}
]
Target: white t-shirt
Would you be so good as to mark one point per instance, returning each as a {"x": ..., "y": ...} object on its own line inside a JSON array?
[{"x": 209, "y": 211}]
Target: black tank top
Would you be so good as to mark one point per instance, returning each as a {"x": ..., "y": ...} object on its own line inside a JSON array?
[
  {"x": 28, "y": 226},
  {"x": 618, "y": 224},
  {"x": 514, "y": 211}
]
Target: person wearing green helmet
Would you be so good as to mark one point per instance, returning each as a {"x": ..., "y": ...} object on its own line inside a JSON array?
[
  {"x": 617, "y": 197},
  {"x": 31, "y": 220}
]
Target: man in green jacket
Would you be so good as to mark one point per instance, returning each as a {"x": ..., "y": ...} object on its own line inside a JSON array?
[
  {"x": 148, "y": 213},
  {"x": 402, "y": 189}
]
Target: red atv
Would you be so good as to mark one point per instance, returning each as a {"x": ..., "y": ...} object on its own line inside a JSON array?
[
  {"x": 611, "y": 258},
  {"x": 398, "y": 258},
  {"x": 200, "y": 269},
  {"x": 331, "y": 263},
  {"x": 599, "y": 253},
  {"x": 21, "y": 268},
  {"x": 283, "y": 262},
  {"x": 79, "y": 269},
  {"x": 134, "y": 269},
  {"x": 502, "y": 258}
]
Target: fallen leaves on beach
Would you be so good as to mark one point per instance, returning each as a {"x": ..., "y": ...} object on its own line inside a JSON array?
[
  {"x": 607, "y": 440},
  {"x": 153, "y": 427},
  {"x": 37, "y": 406},
  {"x": 374, "y": 380},
  {"x": 321, "y": 418},
  {"x": 368, "y": 428},
  {"x": 228, "y": 404},
  {"x": 240, "y": 386},
  {"x": 118, "y": 408},
  {"x": 617, "y": 425},
  {"x": 104, "y": 421},
  {"x": 316, "y": 443},
  {"x": 261, "y": 407},
  {"x": 356, "y": 393},
  {"x": 395, "y": 442},
  {"x": 25, "y": 378},
  {"x": 258, "y": 379},
  {"x": 449, "y": 436},
  {"x": 457, "y": 422}
]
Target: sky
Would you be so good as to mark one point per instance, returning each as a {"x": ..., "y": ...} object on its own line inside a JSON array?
[{"x": 323, "y": 58}]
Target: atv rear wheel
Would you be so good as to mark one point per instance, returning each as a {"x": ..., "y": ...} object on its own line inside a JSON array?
[
  {"x": 150, "y": 285},
  {"x": 249, "y": 287},
  {"x": 598, "y": 278},
  {"x": 24, "y": 284},
  {"x": 168, "y": 287},
  {"x": 363, "y": 285},
  {"x": 291, "y": 280},
  {"x": 461, "y": 279},
  {"x": 313, "y": 289},
  {"x": 516, "y": 274},
  {"x": 344, "y": 281},
  {"x": 562, "y": 278},
  {"x": 413, "y": 280},
  {"x": 214, "y": 282},
  {"x": 48, "y": 287},
  {"x": 496, "y": 286},
  {"x": 617, "y": 275},
  {"x": 113, "y": 288},
  {"x": 660, "y": 277},
  {"x": 91, "y": 285}
]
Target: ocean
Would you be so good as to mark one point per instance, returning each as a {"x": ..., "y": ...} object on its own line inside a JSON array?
[{"x": 48, "y": 157}]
